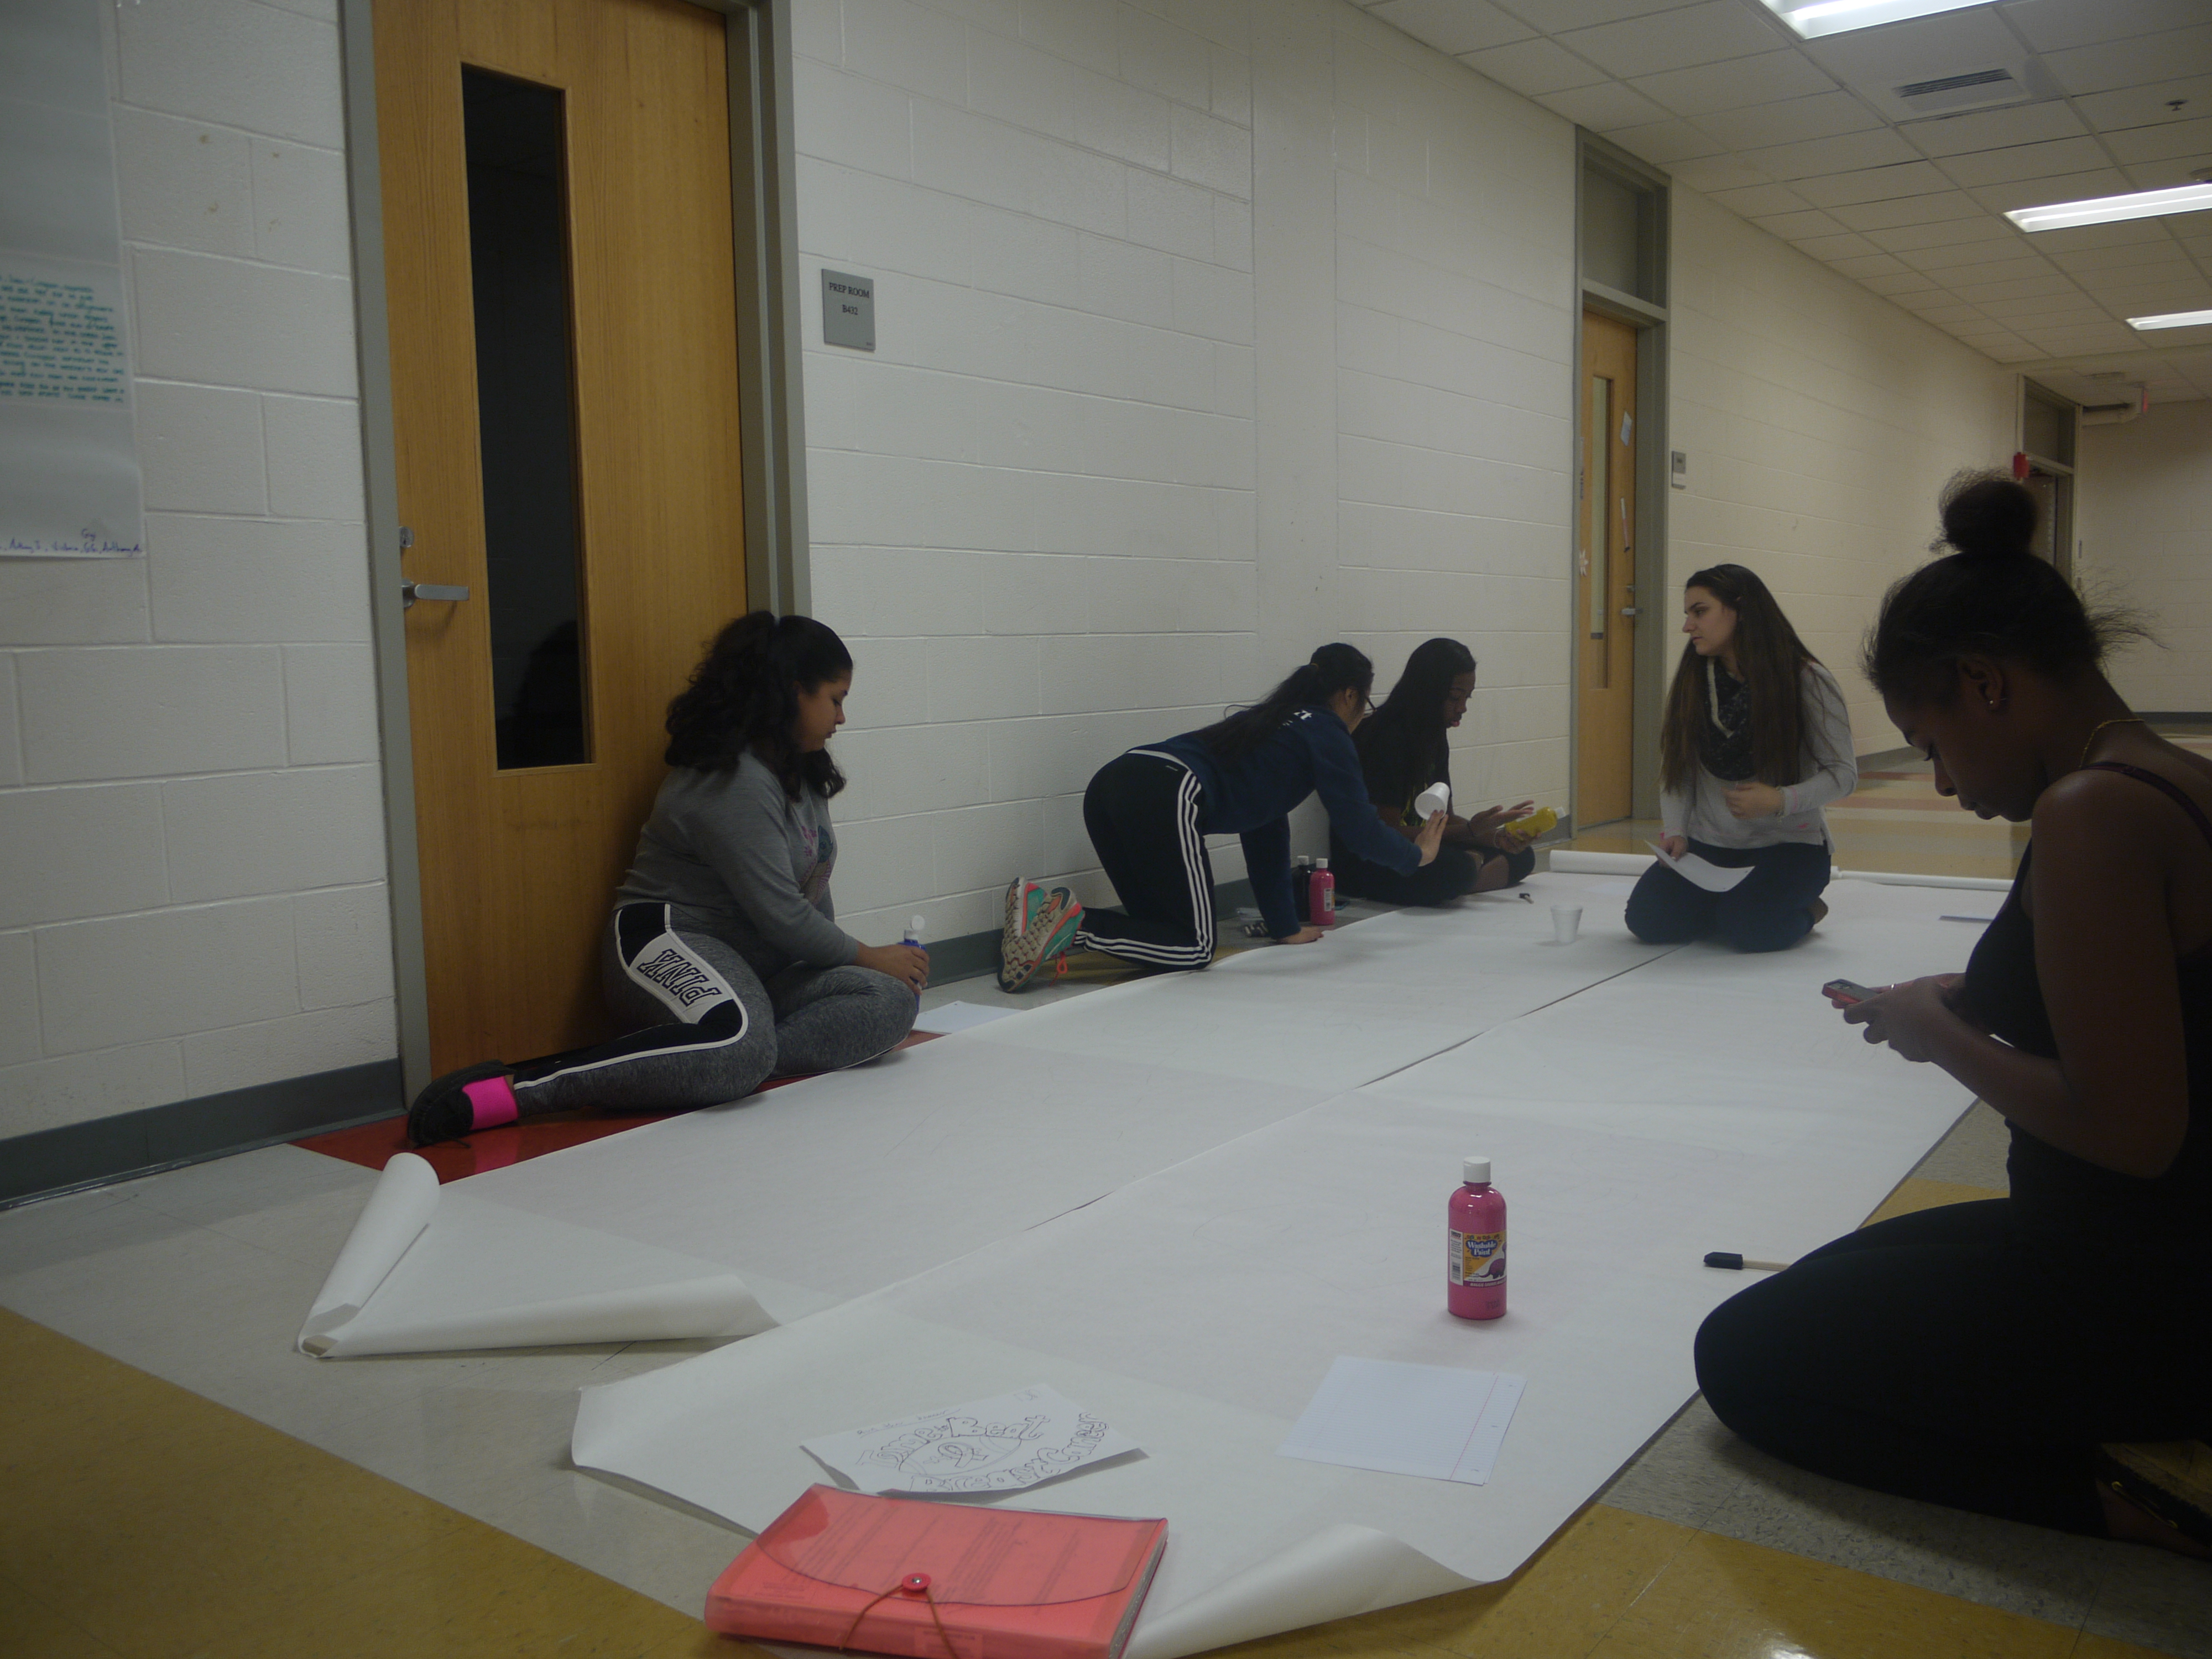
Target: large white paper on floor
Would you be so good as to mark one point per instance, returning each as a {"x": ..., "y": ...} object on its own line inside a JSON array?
[
  {"x": 427, "y": 1269},
  {"x": 1369, "y": 1000},
  {"x": 1199, "y": 1309}
]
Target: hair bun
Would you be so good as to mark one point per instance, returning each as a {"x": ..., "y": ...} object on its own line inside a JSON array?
[{"x": 1987, "y": 515}]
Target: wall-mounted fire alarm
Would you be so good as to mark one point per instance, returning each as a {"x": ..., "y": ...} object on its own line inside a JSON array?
[{"x": 1678, "y": 470}]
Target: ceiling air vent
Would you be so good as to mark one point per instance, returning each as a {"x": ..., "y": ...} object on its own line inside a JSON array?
[{"x": 1997, "y": 87}]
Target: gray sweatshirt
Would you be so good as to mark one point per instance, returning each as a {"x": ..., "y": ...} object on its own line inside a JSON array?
[
  {"x": 1828, "y": 771},
  {"x": 749, "y": 865}
]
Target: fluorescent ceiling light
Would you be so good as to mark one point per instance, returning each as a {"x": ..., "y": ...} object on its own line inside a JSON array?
[
  {"x": 2104, "y": 209},
  {"x": 2173, "y": 320},
  {"x": 1815, "y": 18}
]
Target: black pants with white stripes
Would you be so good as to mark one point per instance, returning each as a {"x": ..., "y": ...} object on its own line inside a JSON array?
[
  {"x": 1141, "y": 810},
  {"x": 703, "y": 1028}
]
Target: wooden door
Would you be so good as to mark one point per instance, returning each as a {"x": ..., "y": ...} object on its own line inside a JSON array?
[
  {"x": 561, "y": 291},
  {"x": 1605, "y": 574}
]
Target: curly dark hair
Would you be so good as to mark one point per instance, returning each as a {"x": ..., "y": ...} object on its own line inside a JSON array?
[{"x": 745, "y": 695}]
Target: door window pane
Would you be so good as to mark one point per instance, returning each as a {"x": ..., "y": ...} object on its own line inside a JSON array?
[{"x": 526, "y": 413}]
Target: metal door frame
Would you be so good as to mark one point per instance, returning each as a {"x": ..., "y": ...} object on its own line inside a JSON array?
[{"x": 764, "y": 215}]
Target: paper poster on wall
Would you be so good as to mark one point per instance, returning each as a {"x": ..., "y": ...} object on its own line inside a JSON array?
[{"x": 69, "y": 486}]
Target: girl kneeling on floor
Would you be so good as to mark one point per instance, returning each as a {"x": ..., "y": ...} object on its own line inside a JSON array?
[
  {"x": 1754, "y": 742},
  {"x": 1148, "y": 812},
  {"x": 723, "y": 960},
  {"x": 1403, "y": 749},
  {"x": 1977, "y": 1354}
]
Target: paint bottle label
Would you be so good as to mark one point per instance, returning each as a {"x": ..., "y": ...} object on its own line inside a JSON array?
[{"x": 1478, "y": 1258}]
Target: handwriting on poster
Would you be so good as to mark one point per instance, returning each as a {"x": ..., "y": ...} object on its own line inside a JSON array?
[{"x": 59, "y": 344}]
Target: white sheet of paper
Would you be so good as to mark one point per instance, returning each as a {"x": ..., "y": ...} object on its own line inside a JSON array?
[
  {"x": 1700, "y": 872},
  {"x": 949, "y": 1016},
  {"x": 1008, "y": 1444},
  {"x": 1438, "y": 1421}
]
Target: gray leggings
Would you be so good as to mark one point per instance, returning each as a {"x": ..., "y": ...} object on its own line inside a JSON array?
[{"x": 702, "y": 1027}]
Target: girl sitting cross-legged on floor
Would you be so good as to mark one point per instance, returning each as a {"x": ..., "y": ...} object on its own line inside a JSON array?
[
  {"x": 1403, "y": 749},
  {"x": 1149, "y": 811},
  {"x": 723, "y": 960},
  {"x": 1755, "y": 742}
]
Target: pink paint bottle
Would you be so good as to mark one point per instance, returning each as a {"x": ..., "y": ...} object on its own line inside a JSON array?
[
  {"x": 1321, "y": 904},
  {"x": 1475, "y": 1287}
]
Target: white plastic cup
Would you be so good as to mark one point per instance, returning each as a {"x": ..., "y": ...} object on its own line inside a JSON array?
[{"x": 1566, "y": 922}]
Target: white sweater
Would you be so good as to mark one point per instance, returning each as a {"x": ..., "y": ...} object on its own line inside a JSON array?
[{"x": 1829, "y": 771}]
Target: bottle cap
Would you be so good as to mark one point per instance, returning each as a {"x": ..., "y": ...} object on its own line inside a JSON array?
[
  {"x": 1475, "y": 1172},
  {"x": 1321, "y": 864}
]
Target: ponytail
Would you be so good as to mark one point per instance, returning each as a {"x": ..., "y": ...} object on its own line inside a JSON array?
[
  {"x": 1331, "y": 669},
  {"x": 744, "y": 696}
]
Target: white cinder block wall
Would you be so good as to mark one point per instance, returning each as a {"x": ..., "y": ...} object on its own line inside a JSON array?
[
  {"x": 1820, "y": 422},
  {"x": 1096, "y": 482},
  {"x": 2144, "y": 516},
  {"x": 191, "y": 858}
]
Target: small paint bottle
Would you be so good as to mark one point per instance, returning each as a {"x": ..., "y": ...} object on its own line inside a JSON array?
[
  {"x": 1476, "y": 1281},
  {"x": 1301, "y": 888},
  {"x": 914, "y": 937},
  {"x": 1323, "y": 904}
]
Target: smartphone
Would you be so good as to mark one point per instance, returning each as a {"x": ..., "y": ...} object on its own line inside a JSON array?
[{"x": 1846, "y": 990}]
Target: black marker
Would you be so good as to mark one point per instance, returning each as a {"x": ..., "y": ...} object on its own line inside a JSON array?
[{"x": 1730, "y": 1259}]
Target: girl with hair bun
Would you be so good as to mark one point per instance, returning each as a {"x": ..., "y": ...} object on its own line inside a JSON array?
[
  {"x": 1755, "y": 742},
  {"x": 724, "y": 963},
  {"x": 2007, "y": 1356},
  {"x": 1149, "y": 810}
]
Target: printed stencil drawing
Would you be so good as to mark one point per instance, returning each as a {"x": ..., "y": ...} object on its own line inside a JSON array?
[{"x": 1006, "y": 1444}]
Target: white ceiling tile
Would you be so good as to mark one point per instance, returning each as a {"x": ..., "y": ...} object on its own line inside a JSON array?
[
  {"x": 2025, "y": 123},
  {"x": 2161, "y": 258},
  {"x": 1755, "y": 199},
  {"x": 2097, "y": 336},
  {"x": 2061, "y": 187},
  {"x": 1662, "y": 144},
  {"x": 1960, "y": 256},
  {"x": 1863, "y": 265},
  {"x": 2005, "y": 348},
  {"x": 2155, "y": 299},
  {"x": 1850, "y": 245},
  {"x": 1715, "y": 174},
  {"x": 2010, "y": 287},
  {"x": 1806, "y": 221},
  {"x": 1554, "y": 15},
  {"x": 1604, "y": 106},
  {"x": 1792, "y": 120},
  {"x": 1918, "y": 49},
  {"x": 2187, "y": 224},
  {"x": 2128, "y": 232},
  {"x": 2055, "y": 310},
  {"x": 2164, "y": 139},
  {"x": 2018, "y": 161},
  {"x": 1453, "y": 27},
  {"x": 1902, "y": 285},
  {"x": 1873, "y": 183},
  {"x": 1949, "y": 233},
  {"x": 2143, "y": 106},
  {"x": 2135, "y": 62},
  {"x": 2056, "y": 25},
  {"x": 1850, "y": 153},
  {"x": 1956, "y": 311},
  {"x": 1735, "y": 84},
  {"x": 2164, "y": 175},
  {"x": 1907, "y": 211},
  {"x": 2201, "y": 247},
  {"x": 1674, "y": 39},
  {"x": 1535, "y": 67}
]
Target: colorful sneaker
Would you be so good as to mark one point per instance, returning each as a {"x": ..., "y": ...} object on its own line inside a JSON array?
[
  {"x": 460, "y": 1103},
  {"x": 1040, "y": 927}
]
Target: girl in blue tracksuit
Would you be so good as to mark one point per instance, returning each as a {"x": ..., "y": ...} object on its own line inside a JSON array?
[{"x": 1149, "y": 811}]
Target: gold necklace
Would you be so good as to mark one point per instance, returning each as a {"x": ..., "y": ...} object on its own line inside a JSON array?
[{"x": 2121, "y": 719}]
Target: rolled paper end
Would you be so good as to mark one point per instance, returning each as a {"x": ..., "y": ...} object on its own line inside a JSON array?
[
  {"x": 1724, "y": 1259},
  {"x": 492, "y": 1100}
]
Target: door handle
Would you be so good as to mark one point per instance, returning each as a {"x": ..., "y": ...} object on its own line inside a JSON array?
[
  {"x": 411, "y": 592},
  {"x": 1625, "y": 610}
]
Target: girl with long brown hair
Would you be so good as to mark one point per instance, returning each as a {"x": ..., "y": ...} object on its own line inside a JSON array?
[{"x": 1756, "y": 740}]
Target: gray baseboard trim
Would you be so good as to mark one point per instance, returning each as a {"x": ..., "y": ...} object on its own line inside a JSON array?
[
  {"x": 49, "y": 1162},
  {"x": 2178, "y": 716}
]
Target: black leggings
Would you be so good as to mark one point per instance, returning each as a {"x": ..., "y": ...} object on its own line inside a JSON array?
[
  {"x": 1769, "y": 909},
  {"x": 1141, "y": 810},
  {"x": 1964, "y": 1356},
  {"x": 1451, "y": 874}
]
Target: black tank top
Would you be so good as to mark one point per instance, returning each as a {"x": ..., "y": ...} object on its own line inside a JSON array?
[{"x": 2173, "y": 1211}]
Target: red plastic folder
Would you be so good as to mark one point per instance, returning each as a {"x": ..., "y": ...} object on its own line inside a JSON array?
[{"x": 930, "y": 1580}]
